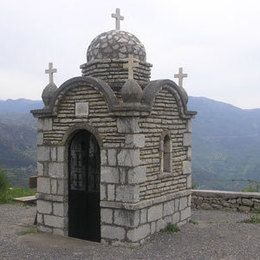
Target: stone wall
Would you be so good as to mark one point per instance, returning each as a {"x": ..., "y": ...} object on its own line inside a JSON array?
[
  {"x": 237, "y": 201},
  {"x": 114, "y": 73},
  {"x": 165, "y": 116},
  {"x": 133, "y": 225}
]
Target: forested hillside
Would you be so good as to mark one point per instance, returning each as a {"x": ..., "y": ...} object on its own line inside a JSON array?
[{"x": 226, "y": 145}]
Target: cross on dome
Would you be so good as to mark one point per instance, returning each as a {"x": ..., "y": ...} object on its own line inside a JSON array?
[
  {"x": 180, "y": 76},
  {"x": 50, "y": 71},
  {"x": 118, "y": 17},
  {"x": 130, "y": 65}
]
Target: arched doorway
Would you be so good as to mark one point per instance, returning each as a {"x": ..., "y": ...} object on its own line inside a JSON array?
[{"x": 84, "y": 186}]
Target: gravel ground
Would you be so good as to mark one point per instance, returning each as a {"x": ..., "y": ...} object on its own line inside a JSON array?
[{"x": 213, "y": 235}]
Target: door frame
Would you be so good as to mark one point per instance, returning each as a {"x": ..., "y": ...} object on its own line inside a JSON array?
[{"x": 66, "y": 140}]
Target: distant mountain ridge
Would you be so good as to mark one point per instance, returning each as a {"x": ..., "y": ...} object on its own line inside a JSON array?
[{"x": 226, "y": 142}]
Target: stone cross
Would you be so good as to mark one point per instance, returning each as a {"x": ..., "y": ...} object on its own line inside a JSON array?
[
  {"x": 118, "y": 17},
  {"x": 180, "y": 76},
  {"x": 130, "y": 65},
  {"x": 50, "y": 71}
]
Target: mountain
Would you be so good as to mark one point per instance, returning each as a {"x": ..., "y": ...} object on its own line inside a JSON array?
[
  {"x": 226, "y": 143},
  {"x": 18, "y": 139}
]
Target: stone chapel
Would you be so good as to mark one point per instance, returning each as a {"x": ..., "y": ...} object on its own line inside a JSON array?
[{"x": 113, "y": 147}]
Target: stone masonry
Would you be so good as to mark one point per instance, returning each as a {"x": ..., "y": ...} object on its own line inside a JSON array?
[{"x": 143, "y": 130}]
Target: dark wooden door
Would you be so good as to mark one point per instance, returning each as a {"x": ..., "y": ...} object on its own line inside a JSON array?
[{"x": 84, "y": 187}]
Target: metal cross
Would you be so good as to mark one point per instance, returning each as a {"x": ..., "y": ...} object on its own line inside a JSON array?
[
  {"x": 130, "y": 65},
  {"x": 118, "y": 17},
  {"x": 51, "y": 71},
  {"x": 180, "y": 76}
]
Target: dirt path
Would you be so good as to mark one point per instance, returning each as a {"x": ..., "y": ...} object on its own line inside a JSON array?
[{"x": 213, "y": 235}]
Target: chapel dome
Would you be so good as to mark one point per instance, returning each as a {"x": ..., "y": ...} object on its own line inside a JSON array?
[{"x": 115, "y": 44}]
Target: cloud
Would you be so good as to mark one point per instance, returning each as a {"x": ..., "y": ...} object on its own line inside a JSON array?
[{"x": 217, "y": 43}]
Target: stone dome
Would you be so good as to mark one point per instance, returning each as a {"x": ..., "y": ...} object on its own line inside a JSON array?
[{"x": 115, "y": 45}]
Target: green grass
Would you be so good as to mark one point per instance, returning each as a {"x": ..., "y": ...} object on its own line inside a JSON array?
[
  {"x": 194, "y": 222},
  {"x": 171, "y": 228},
  {"x": 7, "y": 196},
  {"x": 254, "y": 219},
  {"x": 29, "y": 230}
]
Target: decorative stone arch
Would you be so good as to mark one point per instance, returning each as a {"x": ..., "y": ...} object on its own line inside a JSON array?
[
  {"x": 180, "y": 95},
  {"x": 98, "y": 84},
  {"x": 78, "y": 127},
  {"x": 165, "y": 154}
]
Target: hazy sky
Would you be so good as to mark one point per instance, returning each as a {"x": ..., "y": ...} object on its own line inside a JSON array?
[{"x": 216, "y": 42}]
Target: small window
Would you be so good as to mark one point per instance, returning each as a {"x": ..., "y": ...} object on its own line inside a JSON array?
[{"x": 166, "y": 154}]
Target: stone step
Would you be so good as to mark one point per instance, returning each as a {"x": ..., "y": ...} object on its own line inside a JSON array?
[{"x": 26, "y": 200}]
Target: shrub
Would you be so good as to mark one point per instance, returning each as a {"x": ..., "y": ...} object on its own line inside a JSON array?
[
  {"x": 4, "y": 183},
  {"x": 171, "y": 228}
]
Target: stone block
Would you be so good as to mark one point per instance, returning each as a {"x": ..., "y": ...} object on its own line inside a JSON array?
[
  {"x": 112, "y": 232},
  {"x": 106, "y": 215},
  {"x": 59, "y": 209},
  {"x": 189, "y": 201},
  {"x": 109, "y": 174},
  {"x": 168, "y": 208},
  {"x": 126, "y": 218},
  {"x": 128, "y": 125},
  {"x": 111, "y": 192},
  {"x": 137, "y": 175},
  {"x": 103, "y": 195},
  {"x": 186, "y": 213},
  {"x": 53, "y": 154},
  {"x": 56, "y": 170},
  {"x": 186, "y": 167},
  {"x": 177, "y": 204},
  {"x": 39, "y": 138},
  {"x": 44, "y": 229},
  {"x": 103, "y": 155},
  {"x": 135, "y": 140},
  {"x": 189, "y": 154},
  {"x": 43, "y": 153},
  {"x": 153, "y": 227},
  {"x": 189, "y": 125},
  {"x": 62, "y": 187},
  {"x": 43, "y": 185},
  {"x": 54, "y": 221},
  {"x": 39, "y": 218},
  {"x": 139, "y": 233},
  {"x": 39, "y": 169},
  {"x": 160, "y": 224},
  {"x": 40, "y": 124},
  {"x": 155, "y": 212},
  {"x": 111, "y": 157},
  {"x": 128, "y": 158},
  {"x": 189, "y": 182},
  {"x": 127, "y": 193},
  {"x": 247, "y": 202},
  {"x": 47, "y": 124},
  {"x": 176, "y": 218},
  {"x": 183, "y": 203},
  {"x": 143, "y": 216},
  {"x": 60, "y": 153},
  {"x": 187, "y": 139},
  {"x": 44, "y": 207},
  {"x": 54, "y": 186},
  {"x": 123, "y": 174}
]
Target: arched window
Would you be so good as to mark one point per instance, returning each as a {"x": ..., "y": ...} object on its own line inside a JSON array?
[{"x": 166, "y": 153}]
